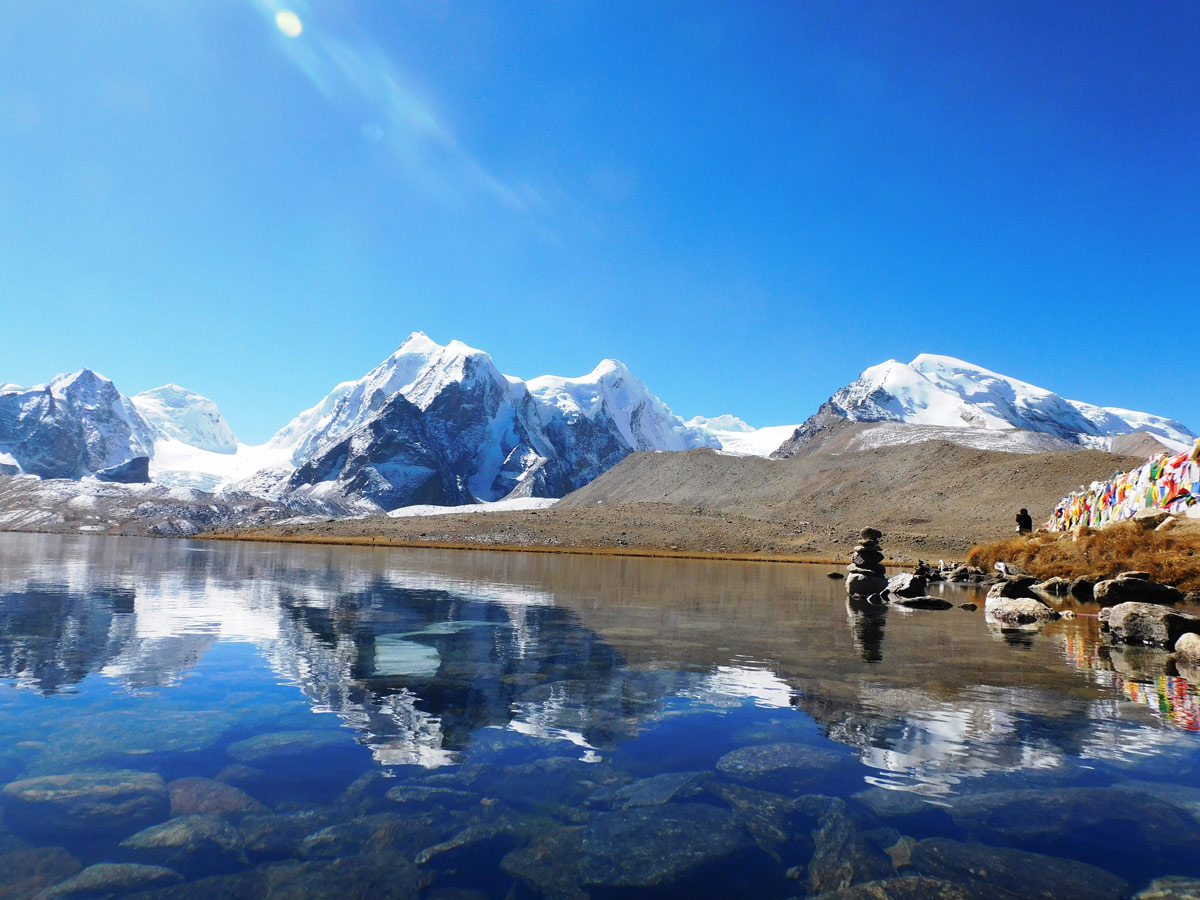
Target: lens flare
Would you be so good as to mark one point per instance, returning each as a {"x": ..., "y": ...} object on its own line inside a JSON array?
[{"x": 289, "y": 23}]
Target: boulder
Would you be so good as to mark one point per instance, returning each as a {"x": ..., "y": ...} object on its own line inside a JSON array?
[
  {"x": 665, "y": 848},
  {"x": 1188, "y": 646},
  {"x": 1002, "y": 873},
  {"x": 866, "y": 556},
  {"x": 196, "y": 844},
  {"x": 550, "y": 864},
  {"x": 279, "y": 835},
  {"x": 1140, "y": 576},
  {"x": 1172, "y": 887},
  {"x": 907, "y": 584},
  {"x": 105, "y": 880},
  {"x": 871, "y": 534},
  {"x": 1055, "y": 586},
  {"x": 1123, "y": 589},
  {"x": 1148, "y": 623},
  {"x": 903, "y": 887},
  {"x": 841, "y": 855},
  {"x": 1017, "y": 611},
  {"x": 279, "y": 746},
  {"x": 24, "y": 871},
  {"x": 190, "y": 796},
  {"x": 864, "y": 585},
  {"x": 83, "y": 803},
  {"x": 769, "y": 761},
  {"x": 1015, "y": 587}
]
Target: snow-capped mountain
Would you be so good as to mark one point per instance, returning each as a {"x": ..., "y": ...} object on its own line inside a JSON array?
[
  {"x": 441, "y": 424},
  {"x": 947, "y": 394},
  {"x": 178, "y": 414},
  {"x": 73, "y": 426}
]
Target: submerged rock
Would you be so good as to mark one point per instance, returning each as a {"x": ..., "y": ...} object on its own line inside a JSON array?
[
  {"x": 767, "y": 761},
  {"x": 24, "y": 871},
  {"x": 903, "y": 887},
  {"x": 1147, "y": 623},
  {"x": 190, "y": 796},
  {"x": 550, "y": 864},
  {"x": 841, "y": 855},
  {"x": 197, "y": 843},
  {"x": 660, "y": 789},
  {"x": 1003, "y": 873},
  {"x": 110, "y": 880},
  {"x": 82, "y": 803},
  {"x": 1173, "y": 887},
  {"x": 282, "y": 745},
  {"x": 659, "y": 847},
  {"x": 279, "y": 835}
]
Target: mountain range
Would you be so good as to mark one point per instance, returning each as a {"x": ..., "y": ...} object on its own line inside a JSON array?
[{"x": 441, "y": 425}]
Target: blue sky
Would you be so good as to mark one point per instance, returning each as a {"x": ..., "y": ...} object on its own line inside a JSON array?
[{"x": 748, "y": 203}]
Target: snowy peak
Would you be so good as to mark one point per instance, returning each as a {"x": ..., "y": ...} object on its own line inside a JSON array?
[
  {"x": 176, "y": 413},
  {"x": 946, "y": 392},
  {"x": 611, "y": 391},
  {"x": 72, "y": 426}
]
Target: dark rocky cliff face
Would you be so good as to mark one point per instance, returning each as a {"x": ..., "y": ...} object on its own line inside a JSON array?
[{"x": 78, "y": 425}]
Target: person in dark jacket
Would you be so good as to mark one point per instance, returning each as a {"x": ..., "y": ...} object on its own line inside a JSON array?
[{"x": 1024, "y": 522}]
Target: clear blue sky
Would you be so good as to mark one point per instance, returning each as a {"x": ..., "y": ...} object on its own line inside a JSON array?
[{"x": 748, "y": 203}]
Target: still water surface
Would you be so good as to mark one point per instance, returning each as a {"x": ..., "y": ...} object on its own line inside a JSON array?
[{"x": 251, "y": 720}]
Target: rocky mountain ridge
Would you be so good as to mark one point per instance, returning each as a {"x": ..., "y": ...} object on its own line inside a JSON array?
[{"x": 442, "y": 425}]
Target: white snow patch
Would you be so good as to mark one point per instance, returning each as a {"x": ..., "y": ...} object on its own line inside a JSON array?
[{"x": 517, "y": 503}]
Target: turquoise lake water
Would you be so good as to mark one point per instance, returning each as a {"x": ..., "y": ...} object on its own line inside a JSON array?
[{"x": 188, "y": 719}]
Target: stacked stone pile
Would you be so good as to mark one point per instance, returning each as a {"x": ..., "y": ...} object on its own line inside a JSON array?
[{"x": 867, "y": 574}]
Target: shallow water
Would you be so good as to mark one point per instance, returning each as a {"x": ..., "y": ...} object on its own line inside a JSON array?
[{"x": 271, "y": 720}]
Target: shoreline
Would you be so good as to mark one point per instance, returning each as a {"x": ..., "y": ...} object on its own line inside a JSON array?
[{"x": 635, "y": 552}]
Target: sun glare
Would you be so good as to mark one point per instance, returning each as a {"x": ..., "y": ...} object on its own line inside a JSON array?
[{"x": 289, "y": 23}]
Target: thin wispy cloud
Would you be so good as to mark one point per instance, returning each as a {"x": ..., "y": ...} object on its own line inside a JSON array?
[{"x": 358, "y": 75}]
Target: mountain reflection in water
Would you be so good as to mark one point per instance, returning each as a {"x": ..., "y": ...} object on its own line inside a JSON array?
[{"x": 180, "y": 656}]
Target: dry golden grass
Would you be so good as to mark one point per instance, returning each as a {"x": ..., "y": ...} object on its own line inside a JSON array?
[{"x": 1171, "y": 557}]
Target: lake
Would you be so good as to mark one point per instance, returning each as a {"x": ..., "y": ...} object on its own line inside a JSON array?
[{"x": 193, "y": 719}]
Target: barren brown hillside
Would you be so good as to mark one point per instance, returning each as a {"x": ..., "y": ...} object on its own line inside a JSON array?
[{"x": 931, "y": 499}]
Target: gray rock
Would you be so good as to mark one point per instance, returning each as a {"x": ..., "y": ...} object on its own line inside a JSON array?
[
  {"x": 1173, "y": 887},
  {"x": 871, "y": 534},
  {"x": 1003, "y": 873},
  {"x": 1148, "y": 623},
  {"x": 1057, "y": 587},
  {"x": 1140, "y": 576},
  {"x": 1012, "y": 588},
  {"x": 767, "y": 761},
  {"x": 1134, "y": 590},
  {"x": 195, "y": 844},
  {"x": 659, "y": 847},
  {"x": 867, "y": 557},
  {"x": 1017, "y": 611},
  {"x": 280, "y": 745},
  {"x": 485, "y": 837},
  {"x": 864, "y": 585},
  {"x": 841, "y": 855},
  {"x": 133, "y": 471},
  {"x": 110, "y": 880},
  {"x": 190, "y": 796},
  {"x": 116, "y": 802},
  {"x": 1188, "y": 646},
  {"x": 906, "y": 584},
  {"x": 377, "y": 876},
  {"x": 24, "y": 871}
]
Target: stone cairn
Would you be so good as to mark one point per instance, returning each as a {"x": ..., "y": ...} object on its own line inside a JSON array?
[{"x": 867, "y": 574}]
